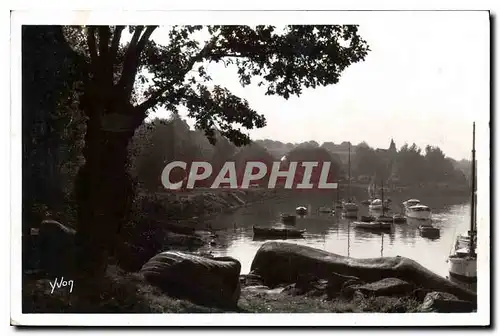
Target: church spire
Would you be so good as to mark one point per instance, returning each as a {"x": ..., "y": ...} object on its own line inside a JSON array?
[{"x": 392, "y": 147}]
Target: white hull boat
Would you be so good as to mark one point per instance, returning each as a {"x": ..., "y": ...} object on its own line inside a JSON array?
[
  {"x": 462, "y": 266},
  {"x": 420, "y": 211},
  {"x": 463, "y": 261},
  {"x": 376, "y": 205},
  {"x": 301, "y": 210},
  {"x": 409, "y": 203}
]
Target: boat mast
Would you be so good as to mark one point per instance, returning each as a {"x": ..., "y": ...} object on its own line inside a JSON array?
[
  {"x": 338, "y": 192},
  {"x": 473, "y": 192},
  {"x": 349, "y": 199},
  {"x": 382, "y": 194}
]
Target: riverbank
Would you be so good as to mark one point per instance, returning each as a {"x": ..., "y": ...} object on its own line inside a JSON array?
[
  {"x": 130, "y": 293},
  {"x": 122, "y": 293},
  {"x": 179, "y": 220}
]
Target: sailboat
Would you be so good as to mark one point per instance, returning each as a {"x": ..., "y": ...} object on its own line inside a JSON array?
[
  {"x": 383, "y": 217},
  {"x": 371, "y": 192},
  {"x": 378, "y": 204},
  {"x": 338, "y": 203},
  {"x": 350, "y": 209},
  {"x": 463, "y": 261}
]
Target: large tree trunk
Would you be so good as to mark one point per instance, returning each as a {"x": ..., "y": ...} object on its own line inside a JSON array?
[{"x": 104, "y": 189}]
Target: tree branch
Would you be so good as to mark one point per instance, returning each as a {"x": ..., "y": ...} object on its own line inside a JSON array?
[
  {"x": 105, "y": 66},
  {"x": 144, "y": 39},
  {"x": 156, "y": 96},
  {"x": 104, "y": 35},
  {"x": 115, "y": 42},
  {"x": 91, "y": 42},
  {"x": 128, "y": 72}
]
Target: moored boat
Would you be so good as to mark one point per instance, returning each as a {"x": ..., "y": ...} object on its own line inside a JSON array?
[
  {"x": 277, "y": 232},
  {"x": 463, "y": 240},
  {"x": 463, "y": 261},
  {"x": 419, "y": 211},
  {"x": 350, "y": 214},
  {"x": 463, "y": 266},
  {"x": 411, "y": 202},
  {"x": 379, "y": 226},
  {"x": 367, "y": 219},
  {"x": 288, "y": 219},
  {"x": 301, "y": 210},
  {"x": 385, "y": 219},
  {"x": 376, "y": 204},
  {"x": 399, "y": 219},
  {"x": 428, "y": 230},
  {"x": 325, "y": 209}
]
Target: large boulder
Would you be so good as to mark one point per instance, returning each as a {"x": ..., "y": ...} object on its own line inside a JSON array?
[
  {"x": 203, "y": 280},
  {"x": 56, "y": 247},
  {"x": 439, "y": 302},
  {"x": 282, "y": 262}
]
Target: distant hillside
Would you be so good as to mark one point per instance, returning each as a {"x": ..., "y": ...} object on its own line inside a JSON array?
[{"x": 278, "y": 149}]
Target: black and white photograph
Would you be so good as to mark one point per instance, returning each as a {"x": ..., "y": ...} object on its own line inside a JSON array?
[{"x": 321, "y": 168}]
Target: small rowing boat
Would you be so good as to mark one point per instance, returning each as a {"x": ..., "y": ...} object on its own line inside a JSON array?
[
  {"x": 379, "y": 226},
  {"x": 277, "y": 232}
]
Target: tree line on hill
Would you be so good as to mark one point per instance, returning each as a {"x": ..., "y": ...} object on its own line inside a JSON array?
[{"x": 161, "y": 141}]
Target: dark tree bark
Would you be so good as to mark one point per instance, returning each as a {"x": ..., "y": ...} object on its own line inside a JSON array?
[{"x": 104, "y": 188}]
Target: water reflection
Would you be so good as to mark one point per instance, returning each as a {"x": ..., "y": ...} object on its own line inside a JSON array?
[{"x": 335, "y": 234}]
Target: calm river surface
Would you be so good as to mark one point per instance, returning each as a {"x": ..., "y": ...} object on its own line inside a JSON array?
[{"x": 335, "y": 234}]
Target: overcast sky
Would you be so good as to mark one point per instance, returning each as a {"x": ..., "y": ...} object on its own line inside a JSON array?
[{"x": 425, "y": 80}]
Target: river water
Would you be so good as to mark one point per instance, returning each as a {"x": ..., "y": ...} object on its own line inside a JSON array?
[{"x": 336, "y": 234}]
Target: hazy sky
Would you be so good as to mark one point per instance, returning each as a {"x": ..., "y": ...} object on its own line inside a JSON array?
[{"x": 425, "y": 80}]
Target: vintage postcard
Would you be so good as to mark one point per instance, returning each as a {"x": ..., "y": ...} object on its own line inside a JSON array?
[{"x": 220, "y": 166}]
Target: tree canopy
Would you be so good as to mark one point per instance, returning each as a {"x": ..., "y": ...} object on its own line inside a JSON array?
[{"x": 284, "y": 60}]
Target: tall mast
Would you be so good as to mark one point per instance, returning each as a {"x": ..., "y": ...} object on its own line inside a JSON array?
[
  {"x": 473, "y": 191},
  {"x": 349, "y": 199},
  {"x": 382, "y": 194}
]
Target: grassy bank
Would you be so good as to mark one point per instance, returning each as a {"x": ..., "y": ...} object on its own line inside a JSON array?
[{"x": 122, "y": 292}]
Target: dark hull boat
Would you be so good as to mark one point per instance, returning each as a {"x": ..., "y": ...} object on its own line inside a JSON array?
[
  {"x": 385, "y": 219},
  {"x": 288, "y": 219},
  {"x": 367, "y": 219},
  {"x": 375, "y": 226},
  {"x": 399, "y": 219},
  {"x": 325, "y": 210},
  {"x": 277, "y": 233},
  {"x": 350, "y": 214},
  {"x": 429, "y": 231}
]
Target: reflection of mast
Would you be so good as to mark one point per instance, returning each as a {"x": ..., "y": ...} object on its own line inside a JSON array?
[
  {"x": 348, "y": 237},
  {"x": 473, "y": 192},
  {"x": 382, "y": 247},
  {"x": 382, "y": 194},
  {"x": 349, "y": 199}
]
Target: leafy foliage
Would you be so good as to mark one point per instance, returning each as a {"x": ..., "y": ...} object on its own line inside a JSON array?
[
  {"x": 284, "y": 60},
  {"x": 52, "y": 123}
]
